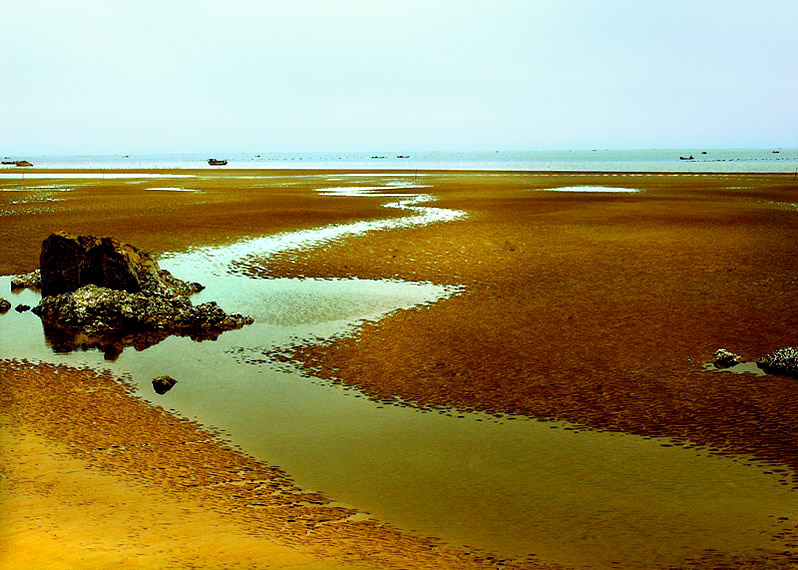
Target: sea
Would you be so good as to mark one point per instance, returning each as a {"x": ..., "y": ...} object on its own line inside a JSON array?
[{"x": 771, "y": 160}]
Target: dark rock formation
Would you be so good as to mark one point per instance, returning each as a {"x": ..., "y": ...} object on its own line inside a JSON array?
[
  {"x": 69, "y": 262},
  {"x": 4, "y": 306},
  {"x": 783, "y": 361},
  {"x": 162, "y": 384},
  {"x": 31, "y": 280},
  {"x": 97, "y": 310},
  {"x": 21, "y": 308},
  {"x": 98, "y": 292},
  {"x": 725, "y": 358}
]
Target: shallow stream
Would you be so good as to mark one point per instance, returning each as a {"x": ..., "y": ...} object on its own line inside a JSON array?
[{"x": 512, "y": 485}]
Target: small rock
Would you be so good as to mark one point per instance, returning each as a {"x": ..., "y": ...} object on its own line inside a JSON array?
[
  {"x": 22, "y": 308},
  {"x": 30, "y": 280},
  {"x": 725, "y": 358},
  {"x": 783, "y": 361},
  {"x": 162, "y": 384},
  {"x": 4, "y": 306}
]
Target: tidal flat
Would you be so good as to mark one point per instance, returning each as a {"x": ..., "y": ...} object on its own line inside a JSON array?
[{"x": 516, "y": 372}]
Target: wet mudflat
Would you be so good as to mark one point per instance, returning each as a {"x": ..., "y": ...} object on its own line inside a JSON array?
[{"x": 511, "y": 485}]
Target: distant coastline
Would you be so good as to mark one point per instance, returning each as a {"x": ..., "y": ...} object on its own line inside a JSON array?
[{"x": 706, "y": 160}]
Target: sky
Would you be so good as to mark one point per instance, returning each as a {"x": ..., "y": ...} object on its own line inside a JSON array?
[{"x": 83, "y": 77}]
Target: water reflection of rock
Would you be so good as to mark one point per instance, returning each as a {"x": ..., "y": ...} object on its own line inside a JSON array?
[{"x": 64, "y": 339}]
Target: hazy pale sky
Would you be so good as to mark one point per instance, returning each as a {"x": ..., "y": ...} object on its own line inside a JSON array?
[{"x": 261, "y": 76}]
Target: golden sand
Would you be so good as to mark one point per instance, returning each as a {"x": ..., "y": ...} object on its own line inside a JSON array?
[{"x": 95, "y": 478}]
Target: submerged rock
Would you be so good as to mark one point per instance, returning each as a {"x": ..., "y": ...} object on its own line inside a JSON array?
[
  {"x": 162, "y": 384},
  {"x": 725, "y": 358},
  {"x": 30, "y": 280},
  {"x": 783, "y": 361},
  {"x": 4, "y": 306}
]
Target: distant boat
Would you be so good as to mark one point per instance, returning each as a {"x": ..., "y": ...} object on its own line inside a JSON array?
[
  {"x": 216, "y": 162},
  {"x": 687, "y": 157},
  {"x": 377, "y": 157},
  {"x": 8, "y": 162},
  {"x": 703, "y": 152},
  {"x": 23, "y": 163},
  {"x": 400, "y": 156},
  {"x": 775, "y": 152}
]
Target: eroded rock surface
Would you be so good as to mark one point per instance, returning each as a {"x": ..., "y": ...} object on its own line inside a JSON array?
[
  {"x": 783, "y": 361},
  {"x": 69, "y": 262},
  {"x": 99, "y": 310},
  {"x": 5, "y": 305}
]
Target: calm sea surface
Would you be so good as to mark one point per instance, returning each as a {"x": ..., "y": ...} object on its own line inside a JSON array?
[{"x": 676, "y": 160}]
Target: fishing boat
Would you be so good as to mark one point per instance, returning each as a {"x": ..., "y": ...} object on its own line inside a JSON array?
[
  {"x": 216, "y": 162},
  {"x": 691, "y": 157}
]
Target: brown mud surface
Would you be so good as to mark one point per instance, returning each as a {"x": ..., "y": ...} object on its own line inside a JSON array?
[
  {"x": 226, "y": 206},
  {"x": 598, "y": 309},
  {"x": 93, "y": 477}
]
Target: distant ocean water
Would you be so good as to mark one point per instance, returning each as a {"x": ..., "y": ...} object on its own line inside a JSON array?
[{"x": 704, "y": 160}]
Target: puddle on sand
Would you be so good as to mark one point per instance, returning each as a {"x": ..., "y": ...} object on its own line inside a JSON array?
[
  {"x": 739, "y": 368},
  {"x": 588, "y": 189},
  {"x": 512, "y": 487}
]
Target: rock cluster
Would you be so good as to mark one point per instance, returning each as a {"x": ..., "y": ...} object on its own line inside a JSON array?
[
  {"x": 4, "y": 306},
  {"x": 100, "y": 311},
  {"x": 783, "y": 361},
  {"x": 98, "y": 290}
]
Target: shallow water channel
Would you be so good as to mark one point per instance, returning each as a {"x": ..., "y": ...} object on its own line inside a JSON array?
[{"x": 512, "y": 486}]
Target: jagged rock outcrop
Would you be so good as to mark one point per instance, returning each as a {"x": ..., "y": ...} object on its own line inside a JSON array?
[
  {"x": 783, "y": 361},
  {"x": 162, "y": 384},
  {"x": 5, "y": 305},
  {"x": 69, "y": 262},
  {"x": 98, "y": 311},
  {"x": 99, "y": 292},
  {"x": 21, "y": 308},
  {"x": 30, "y": 280},
  {"x": 725, "y": 358}
]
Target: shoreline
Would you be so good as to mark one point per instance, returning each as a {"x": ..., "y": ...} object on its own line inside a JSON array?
[{"x": 483, "y": 252}]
